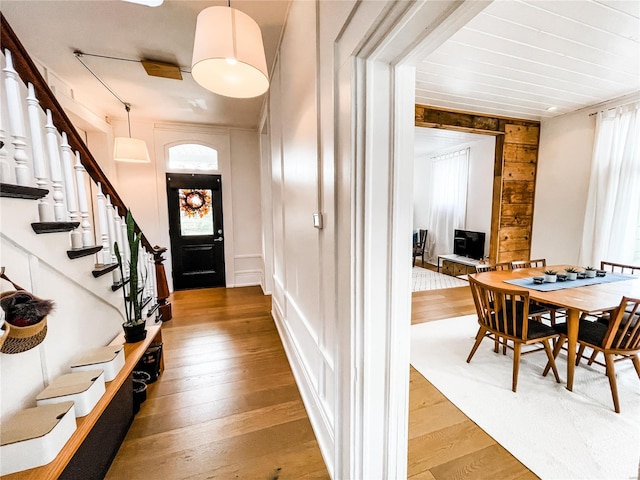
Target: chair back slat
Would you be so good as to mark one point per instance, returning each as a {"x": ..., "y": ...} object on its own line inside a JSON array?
[
  {"x": 624, "y": 326},
  {"x": 540, "y": 262},
  {"x": 485, "y": 267},
  {"x": 620, "y": 268}
]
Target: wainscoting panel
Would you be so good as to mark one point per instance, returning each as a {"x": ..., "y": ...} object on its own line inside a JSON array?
[{"x": 309, "y": 366}]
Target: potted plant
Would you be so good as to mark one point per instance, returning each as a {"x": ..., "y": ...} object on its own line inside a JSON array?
[
  {"x": 135, "y": 324},
  {"x": 572, "y": 273},
  {"x": 550, "y": 276},
  {"x": 590, "y": 272}
]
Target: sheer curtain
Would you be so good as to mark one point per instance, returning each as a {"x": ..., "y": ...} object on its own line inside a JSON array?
[
  {"x": 612, "y": 217},
  {"x": 448, "y": 202}
]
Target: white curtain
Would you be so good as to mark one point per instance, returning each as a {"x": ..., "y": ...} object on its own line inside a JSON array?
[
  {"x": 448, "y": 203},
  {"x": 612, "y": 218}
]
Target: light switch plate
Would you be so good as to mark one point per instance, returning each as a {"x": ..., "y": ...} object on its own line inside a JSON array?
[{"x": 317, "y": 221}]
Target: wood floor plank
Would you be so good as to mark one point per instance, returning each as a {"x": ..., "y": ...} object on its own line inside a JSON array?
[
  {"x": 207, "y": 457},
  {"x": 162, "y": 404},
  {"x": 187, "y": 416},
  {"x": 489, "y": 463},
  {"x": 447, "y": 444},
  {"x": 198, "y": 435},
  {"x": 301, "y": 463}
]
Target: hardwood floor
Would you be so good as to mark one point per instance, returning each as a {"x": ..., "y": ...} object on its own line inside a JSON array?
[{"x": 227, "y": 405}]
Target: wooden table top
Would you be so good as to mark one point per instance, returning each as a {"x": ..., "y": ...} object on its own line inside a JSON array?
[{"x": 587, "y": 298}]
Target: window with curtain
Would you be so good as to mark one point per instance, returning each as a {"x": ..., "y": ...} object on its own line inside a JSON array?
[
  {"x": 612, "y": 219},
  {"x": 448, "y": 200}
]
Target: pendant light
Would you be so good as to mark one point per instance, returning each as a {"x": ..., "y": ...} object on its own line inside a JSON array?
[
  {"x": 127, "y": 149},
  {"x": 228, "y": 53}
]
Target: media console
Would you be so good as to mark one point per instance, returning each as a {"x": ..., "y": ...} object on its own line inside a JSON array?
[{"x": 456, "y": 265}]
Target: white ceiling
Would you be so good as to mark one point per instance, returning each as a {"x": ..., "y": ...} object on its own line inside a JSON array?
[
  {"x": 520, "y": 57},
  {"x": 516, "y": 58},
  {"x": 51, "y": 30}
]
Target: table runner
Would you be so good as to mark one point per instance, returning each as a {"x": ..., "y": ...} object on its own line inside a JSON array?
[{"x": 581, "y": 282}]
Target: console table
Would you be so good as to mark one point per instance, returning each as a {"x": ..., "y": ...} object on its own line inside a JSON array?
[{"x": 456, "y": 265}]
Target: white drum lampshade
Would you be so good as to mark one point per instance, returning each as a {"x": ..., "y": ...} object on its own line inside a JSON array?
[
  {"x": 228, "y": 54},
  {"x": 128, "y": 149}
]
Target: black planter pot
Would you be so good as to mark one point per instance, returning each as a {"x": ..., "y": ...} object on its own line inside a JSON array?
[
  {"x": 134, "y": 333},
  {"x": 139, "y": 394}
]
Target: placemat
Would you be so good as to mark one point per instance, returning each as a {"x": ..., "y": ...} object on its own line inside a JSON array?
[{"x": 581, "y": 282}]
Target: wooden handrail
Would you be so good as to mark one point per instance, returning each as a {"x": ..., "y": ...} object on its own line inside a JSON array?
[{"x": 28, "y": 72}]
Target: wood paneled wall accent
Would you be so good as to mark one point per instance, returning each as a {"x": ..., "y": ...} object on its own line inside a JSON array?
[
  {"x": 520, "y": 161},
  {"x": 515, "y": 167}
]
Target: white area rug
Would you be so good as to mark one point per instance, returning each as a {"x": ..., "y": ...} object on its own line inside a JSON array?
[
  {"x": 556, "y": 433},
  {"x": 424, "y": 279}
]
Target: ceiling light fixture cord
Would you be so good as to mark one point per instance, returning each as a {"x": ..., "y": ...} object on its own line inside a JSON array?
[
  {"x": 108, "y": 57},
  {"x": 127, "y": 107},
  {"x": 80, "y": 54}
]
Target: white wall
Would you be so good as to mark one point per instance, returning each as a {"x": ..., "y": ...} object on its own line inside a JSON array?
[{"x": 562, "y": 182}]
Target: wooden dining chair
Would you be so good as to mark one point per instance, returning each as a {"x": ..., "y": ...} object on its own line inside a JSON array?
[
  {"x": 503, "y": 314},
  {"x": 619, "y": 268},
  {"x": 554, "y": 312},
  {"x": 486, "y": 267},
  {"x": 538, "y": 263},
  {"x": 419, "y": 247},
  {"x": 618, "y": 339}
]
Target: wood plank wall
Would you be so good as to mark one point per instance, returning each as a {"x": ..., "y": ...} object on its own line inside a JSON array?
[{"x": 515, "y": 167}]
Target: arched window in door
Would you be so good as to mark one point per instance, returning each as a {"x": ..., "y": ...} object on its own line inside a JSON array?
[{"x": 192, "y": 157}]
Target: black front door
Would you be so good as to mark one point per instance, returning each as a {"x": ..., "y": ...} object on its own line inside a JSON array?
[{"x": 196, "y": 231}]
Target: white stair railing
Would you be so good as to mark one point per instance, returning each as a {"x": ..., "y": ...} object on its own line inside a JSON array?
[{"x": 14, "y": 106}]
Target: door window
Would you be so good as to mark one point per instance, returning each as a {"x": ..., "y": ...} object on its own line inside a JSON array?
[{"x": 196, "y": 212}]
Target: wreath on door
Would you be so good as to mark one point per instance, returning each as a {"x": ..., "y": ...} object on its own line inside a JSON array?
[{"x": 195, "y": 203}]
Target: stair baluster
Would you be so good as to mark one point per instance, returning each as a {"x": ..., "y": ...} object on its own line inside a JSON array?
[
  {"x": 112, "y": 238},
  {"x": 87, "y": 239},
  {"x": 5, "y": 169},
  {"x": 105, "y": 254},
  {"x": 126, "y": 254},
  {"x": 117, "y": 237},
  {"x": 14, "y": 105},
  {"x": 70, "y": 190},
  {"x": 59, "y": 210},
  {"x": 45, "y": 213}
]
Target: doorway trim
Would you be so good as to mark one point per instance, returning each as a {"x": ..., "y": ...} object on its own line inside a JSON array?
[
  {"x": 514, "y": 174},
  {"x": 375, "y": 98},
  {"x": 169, "y": 135}
]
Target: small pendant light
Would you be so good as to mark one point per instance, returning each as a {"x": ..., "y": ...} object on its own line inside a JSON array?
[
  {"x": 127, "y": 149},
  {"x": 228, "y": 53}
]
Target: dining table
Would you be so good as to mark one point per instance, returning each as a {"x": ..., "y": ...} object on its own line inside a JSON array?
[{"x": 576, "y": 297}]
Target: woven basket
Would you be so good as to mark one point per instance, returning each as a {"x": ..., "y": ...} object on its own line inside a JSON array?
[{"x": 20, "y": 339}]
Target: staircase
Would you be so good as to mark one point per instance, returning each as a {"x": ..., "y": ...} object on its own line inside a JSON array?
[{"x": 59, "y": 218}]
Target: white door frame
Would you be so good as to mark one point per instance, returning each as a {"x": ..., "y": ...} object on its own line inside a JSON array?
[{"x": 375, "y": 101}]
